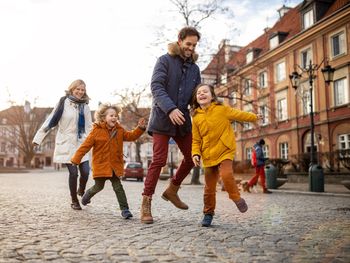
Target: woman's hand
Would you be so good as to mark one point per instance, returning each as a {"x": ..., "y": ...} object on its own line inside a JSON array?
[{"x": 196, "y": 160}]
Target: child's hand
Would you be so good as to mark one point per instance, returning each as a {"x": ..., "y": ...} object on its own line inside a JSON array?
[
  {"x": 260, "y": 116},
  {"x": 196, "y": 160},
  {"x": 142, "y": 123}
]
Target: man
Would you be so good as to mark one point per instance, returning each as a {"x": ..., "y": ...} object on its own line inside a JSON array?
[
  {"x": 259, "y": 169},
  {"x": 174, "y": 79}
]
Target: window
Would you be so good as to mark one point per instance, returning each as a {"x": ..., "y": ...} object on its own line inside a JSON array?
[
  {"x": 263, "y": 110},
  {"x": 223, "y": 78},
  {"x": 305, "y": 57},
  {"x": 280, "y": 71},
  {"x": 263, "y": 79},
  {"x": 3, "y": 147},
  {"x": 234, "y": 97},
  {"x": 274, "y": 42},
  {"x": 266, "y": 151},
  {"x": 249, "y": 57},
  {"x": 344, "y": 141},
  {"x": 282, "y": 109},
  {"x": 283, "y": 150},
  {"x": 341, "y": 92},
  {"x": 248, "y": 153},
  {"x": 247, "y": 87},
  {"x": 247, "y": 125},
  {"x": 338, "y": 44},
  {"x": 308, "y": 19}
]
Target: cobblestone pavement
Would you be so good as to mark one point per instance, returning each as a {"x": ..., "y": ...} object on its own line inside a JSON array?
[{"x": 37, "y": 224}]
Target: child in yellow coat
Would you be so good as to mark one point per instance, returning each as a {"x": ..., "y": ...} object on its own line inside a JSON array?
[{"x": 214, "y": 144}]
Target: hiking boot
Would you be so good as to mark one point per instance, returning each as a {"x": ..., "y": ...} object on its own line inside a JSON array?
[
  {"x": 170, "y": 194},
  {"x": 266, "y": 191},
  {"x": 126, "y": 214},
  {"x": 241, "y": 205},
  {"x": 146, "y": 213},
  {"x": 75, "y": 205},
  {"x": 207, "y": 219}
]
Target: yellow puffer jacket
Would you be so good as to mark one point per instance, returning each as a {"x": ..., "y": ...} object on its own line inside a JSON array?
[{"x": 213, "y": 135}]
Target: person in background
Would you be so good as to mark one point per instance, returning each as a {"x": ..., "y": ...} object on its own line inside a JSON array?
[
  {"x": 259, "y": 169},
  {"x": 174, "y": 78},
  {"x": 214, "y": 144},
  {"x": 72, "y": 116},
  {"x": 106, "y": 140}
]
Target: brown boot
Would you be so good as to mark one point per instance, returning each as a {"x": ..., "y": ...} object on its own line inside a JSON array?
[
  {"x": 146, "y": 214},
  {"x": 170, "y": 194},
  {"x": 246, "y": 187}
]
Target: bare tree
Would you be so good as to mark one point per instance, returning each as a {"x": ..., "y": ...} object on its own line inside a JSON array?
[
  {"x": 131, "y": 101},
  {"x": 21, "y": 123}
]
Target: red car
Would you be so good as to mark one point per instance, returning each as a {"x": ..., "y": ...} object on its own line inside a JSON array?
[{"x": 133, "y": 170}]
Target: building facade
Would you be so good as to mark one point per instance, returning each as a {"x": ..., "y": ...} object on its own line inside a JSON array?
[{"x": 258, "y": 81}]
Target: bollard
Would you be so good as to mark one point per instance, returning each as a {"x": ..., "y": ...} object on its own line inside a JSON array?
[
  {"x": 316, "y": 178},
  {"x": 271, "y": 176}
]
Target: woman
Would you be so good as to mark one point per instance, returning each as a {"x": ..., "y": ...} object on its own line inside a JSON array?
[{"x": 73, "y": 117}]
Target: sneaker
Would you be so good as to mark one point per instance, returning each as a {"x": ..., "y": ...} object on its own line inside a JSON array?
[
  {"x": 86, "y": 198},
  {"x": 266, "y": 191},
  {"x": 126, "y": 214},
  {"x": 241, "y": 205},
  {"x": 208, "y": 218},
  {"x": 75, "y": 205}
]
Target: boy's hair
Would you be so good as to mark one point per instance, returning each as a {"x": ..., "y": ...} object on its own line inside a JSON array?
[
  {"x": 188, "y": 31},
  {"x": 194, "y": 103},
  {"x": 100, "y": 114},
  {"x": 74, "y": 85}
]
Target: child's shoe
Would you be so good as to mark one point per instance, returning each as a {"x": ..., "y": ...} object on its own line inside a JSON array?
[
  {"x": 86, "y": 198},
  {"x": 246, "y": 187},
  {"x": 126, "y": 214},
  {"x": 208, "y": 218},
  {"x": 241, "y": 205}
]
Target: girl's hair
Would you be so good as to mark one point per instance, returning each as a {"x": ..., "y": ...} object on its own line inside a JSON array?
[
  {"x": 74, "y": 85},
  {"x": 194, "y": 103},
  {"x": 100, "y": 114}
]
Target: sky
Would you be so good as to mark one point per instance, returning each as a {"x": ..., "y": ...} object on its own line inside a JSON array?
[{"x": 110, "y": 44}]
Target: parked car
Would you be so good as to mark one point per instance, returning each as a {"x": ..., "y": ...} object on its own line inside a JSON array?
[{"x": 133, "y": 170}]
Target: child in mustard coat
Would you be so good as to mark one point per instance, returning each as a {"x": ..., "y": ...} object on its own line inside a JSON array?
[
  {"x": 214, "y": 144},
  {"x": 106, "y": 140}
]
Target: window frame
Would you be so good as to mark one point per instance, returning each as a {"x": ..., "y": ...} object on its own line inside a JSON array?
[
  {"x": 342, "y": 52},
  {"x": 345, "y": 94},
  {"x": 311, "y": 19},
  {"x": 278, "y": 76}
]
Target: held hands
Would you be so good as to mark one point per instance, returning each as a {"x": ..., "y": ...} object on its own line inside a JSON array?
[
  {"x": 196, "y": 160},
  {"x": 142, "y": 123},
  {"x": 260, "y": 116},
  {"x": 177, "y": 117}
]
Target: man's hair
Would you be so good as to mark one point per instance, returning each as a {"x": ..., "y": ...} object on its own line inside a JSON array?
[
  {"x": 188, "y": 31},
  {"x": 262, "y": 142}
]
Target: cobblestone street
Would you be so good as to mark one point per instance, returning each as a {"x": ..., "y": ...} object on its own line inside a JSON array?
[{"x": 37, "y": 224}]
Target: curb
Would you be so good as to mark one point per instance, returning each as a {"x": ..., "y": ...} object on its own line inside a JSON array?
[{"x": 309, "y": 193}]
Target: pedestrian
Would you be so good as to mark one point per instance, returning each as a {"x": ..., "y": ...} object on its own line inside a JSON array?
[
  {"x": 174, "y": 78},
  {"x": 214, "y": 144},
  {"x": 259, "y": 169},
  {"x": 72, "y": 115},
  {"x": 106, "y": 140}
]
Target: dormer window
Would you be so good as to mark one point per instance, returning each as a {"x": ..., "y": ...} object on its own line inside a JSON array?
[
  {"x": 249, "y": 57},
  {"x": 276, "y": 39},
  {"x": 308, "y": 18}
]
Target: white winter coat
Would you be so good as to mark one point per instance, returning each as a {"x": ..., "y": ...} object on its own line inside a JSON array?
[{"x": 67, "y": 141}]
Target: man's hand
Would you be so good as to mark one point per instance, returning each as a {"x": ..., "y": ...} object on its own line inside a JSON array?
[
  {"x": 196, "y": 160},
  {"x": 177, "y": 117}
]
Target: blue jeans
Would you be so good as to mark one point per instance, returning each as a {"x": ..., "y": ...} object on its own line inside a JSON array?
[{"x": 84, "y": 169}]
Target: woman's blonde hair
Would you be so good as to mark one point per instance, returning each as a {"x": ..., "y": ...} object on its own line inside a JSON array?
[
  {"x": 100, "y": 114},
  {"x": 74, "y": 85}
]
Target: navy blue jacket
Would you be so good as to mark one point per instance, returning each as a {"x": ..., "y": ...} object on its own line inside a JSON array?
[
  {"x": 260, "y": 159},
  {"x": 173, "y": 82}
]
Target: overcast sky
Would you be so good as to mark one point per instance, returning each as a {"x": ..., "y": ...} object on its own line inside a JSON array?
[{"x": 46, "y": 44}]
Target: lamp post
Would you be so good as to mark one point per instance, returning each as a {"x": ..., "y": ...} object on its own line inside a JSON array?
[{"x": 316, "y": 178}]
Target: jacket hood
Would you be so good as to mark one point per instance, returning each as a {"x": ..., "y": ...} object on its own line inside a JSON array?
[{"x": 174, "y": 50}]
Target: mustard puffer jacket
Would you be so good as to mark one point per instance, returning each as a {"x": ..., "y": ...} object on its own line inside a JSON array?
[
  {"x": 213, "y": 136},
  {"x": 107, "y": 149}
]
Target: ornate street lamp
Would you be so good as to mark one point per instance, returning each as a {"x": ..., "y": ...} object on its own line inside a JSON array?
[{"x": 316, "y": 178}]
